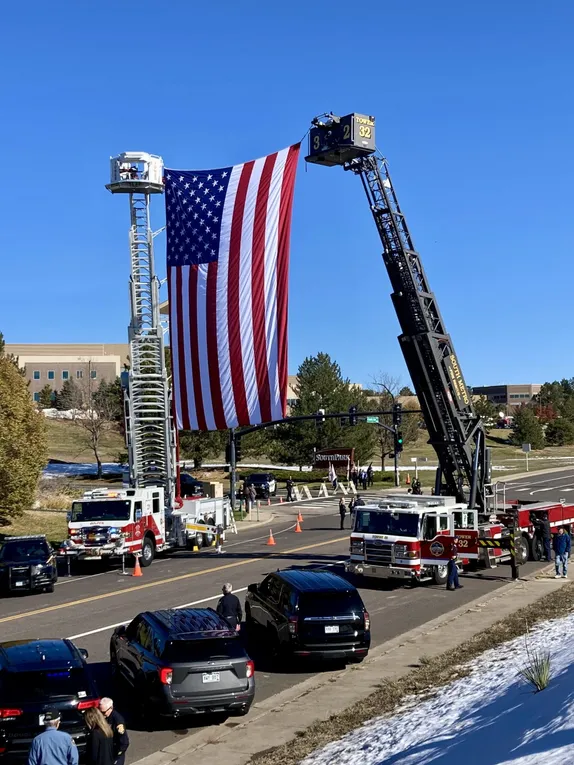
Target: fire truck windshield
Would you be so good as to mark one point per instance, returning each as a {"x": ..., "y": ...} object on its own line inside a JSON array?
[
  {"x": 399, "y": 524},
  {"x": 106, "y": 510}
]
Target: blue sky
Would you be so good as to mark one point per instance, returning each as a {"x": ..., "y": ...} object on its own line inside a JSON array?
[{"x": 474, "y": 112}]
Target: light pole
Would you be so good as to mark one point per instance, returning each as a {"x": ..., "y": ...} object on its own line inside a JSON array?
[{"x": 395, "y": 427}]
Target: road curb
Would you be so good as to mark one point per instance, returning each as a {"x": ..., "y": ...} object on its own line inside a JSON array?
[{"x": 277, "y": 719}]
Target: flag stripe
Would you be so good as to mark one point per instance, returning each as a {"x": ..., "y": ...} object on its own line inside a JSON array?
[
  {"x": 285, "y": 210},
  {"x": 233, "y": 317},
  {"x": 194, "y": 349},
  {"x": 212, "y": 354},
  {"x": 258, "y": 292},
  {"x": 227, "y": 257}
]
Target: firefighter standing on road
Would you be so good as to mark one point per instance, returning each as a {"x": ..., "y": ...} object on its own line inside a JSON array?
[
  {"x": 452, "y": 568},
  {"x": 118, "y": 726},
  {"x": 289, "y": 487}
]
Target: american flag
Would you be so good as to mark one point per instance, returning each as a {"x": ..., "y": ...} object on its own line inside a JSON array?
[{"x": 227, "y": 265}]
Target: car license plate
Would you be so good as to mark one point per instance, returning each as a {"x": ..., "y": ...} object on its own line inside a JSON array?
[
  {"x": 211, "y": 677},
  {"x": 332, "y": 630},
  {"x": 19, "y": 584},
  {"x": 93, "y": 553}
]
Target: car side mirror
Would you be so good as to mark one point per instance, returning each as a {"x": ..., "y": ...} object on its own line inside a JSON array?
[
  {"x": 253, "y": 588},
  {"x": 69, "y": 516},
  {"x": 83, "y": 653},
  {"x": 121, "y": 631}
]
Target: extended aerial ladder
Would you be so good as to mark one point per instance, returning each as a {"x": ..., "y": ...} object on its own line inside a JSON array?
[
  {"x": 149, "y": 427},
  {"x": 455, "y": 431}
]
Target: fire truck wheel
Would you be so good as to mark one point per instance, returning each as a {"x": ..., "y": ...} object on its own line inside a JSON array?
[
  {"x": 148, "y": 552},
  {"x": 536, "y": 548},
  {"x": 440, "y": 574},
  {"x": 522, "y": 551}
]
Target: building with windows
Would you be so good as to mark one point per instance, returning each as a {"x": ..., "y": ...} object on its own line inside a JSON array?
[
  {"x": 53, "y": 364},
  {"x": 507, "y": 395}
]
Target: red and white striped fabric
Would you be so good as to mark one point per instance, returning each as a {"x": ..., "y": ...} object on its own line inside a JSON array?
[{"x": 228, "y": 236}]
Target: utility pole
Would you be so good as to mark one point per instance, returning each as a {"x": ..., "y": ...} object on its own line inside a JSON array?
[{"x": 232, "y": 467}]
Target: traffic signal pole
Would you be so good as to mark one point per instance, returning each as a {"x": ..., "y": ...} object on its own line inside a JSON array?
[{"x": 396, "y": 457}]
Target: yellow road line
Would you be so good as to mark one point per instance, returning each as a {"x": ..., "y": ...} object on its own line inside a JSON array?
[{"x": 181, "y": 577}]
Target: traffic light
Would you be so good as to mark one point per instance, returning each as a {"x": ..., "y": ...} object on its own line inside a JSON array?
[
  {"x": 320, "y": 417},
  {"x": 397, "y": 414},
  {"x": 398, "y": 442},
  {"x": 228, "y": 454},
  {"x": 353, "y": 415},
  {"x": 238, "y": 450}
]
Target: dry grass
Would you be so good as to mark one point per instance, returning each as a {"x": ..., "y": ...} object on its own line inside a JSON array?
[
  {"x": 68, "y": 442},
  {"x": 52, "y": 524},
  {"x": 431, "y": 674},
  {"x": 56, "y": 494}
]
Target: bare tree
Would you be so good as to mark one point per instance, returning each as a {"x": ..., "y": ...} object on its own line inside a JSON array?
[
  {"x": 390, "y": 388},
  {"x": 99, "y": 414}
]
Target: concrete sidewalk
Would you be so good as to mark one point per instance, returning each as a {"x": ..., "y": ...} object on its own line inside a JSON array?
[{"x": 277, "y": 720}]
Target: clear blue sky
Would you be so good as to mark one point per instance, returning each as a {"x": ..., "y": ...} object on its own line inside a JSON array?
[{"x": 474, "y": 112}]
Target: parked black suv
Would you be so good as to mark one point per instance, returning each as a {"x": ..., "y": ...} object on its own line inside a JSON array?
[
  {"x": 190, "y": 486},
  {"x": 27, "y": 564},
  {"x": 310, "y": 613},
  {"x": 36, "y": 675},
  {"x": 264, "y": 483},
  {"x": 183, "y": 661}
]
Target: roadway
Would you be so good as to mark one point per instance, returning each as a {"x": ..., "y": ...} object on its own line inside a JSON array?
[
  {"x": 87, "y": 607},
  {"x": 542, "y": 487}
]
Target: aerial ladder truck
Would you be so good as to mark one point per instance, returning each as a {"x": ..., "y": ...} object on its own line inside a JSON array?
[
  {"x": 147, "y": 516},
  {"x": 455, "y": 431}
]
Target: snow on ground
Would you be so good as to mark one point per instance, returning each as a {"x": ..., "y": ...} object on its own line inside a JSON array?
[
  {"x": 64, "y": 469},
  {"x": 492, "y": 717}
]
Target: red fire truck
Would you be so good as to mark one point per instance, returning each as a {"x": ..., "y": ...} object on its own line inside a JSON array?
[{"x": 412, "y": 538}]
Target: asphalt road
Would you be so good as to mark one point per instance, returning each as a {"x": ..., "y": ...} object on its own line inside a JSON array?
[
  {"x": 544, "y": 487},
  {"x": 87, "y": 607}
]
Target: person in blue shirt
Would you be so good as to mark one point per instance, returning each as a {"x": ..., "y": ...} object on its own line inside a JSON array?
[
  {"x": 53, "y": 746},
  {"x": 562, "y": 547}
]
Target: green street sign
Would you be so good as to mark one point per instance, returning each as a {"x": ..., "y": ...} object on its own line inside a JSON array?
[{"x": 373, "y": 420}]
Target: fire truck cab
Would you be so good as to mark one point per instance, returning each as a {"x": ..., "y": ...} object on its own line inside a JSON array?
[{"x": 411, "y": 539}]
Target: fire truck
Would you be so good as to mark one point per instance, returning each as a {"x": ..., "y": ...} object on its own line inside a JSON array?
[
  {"x": 148, "y": 515},
  {"x": 411, "y": 538}
]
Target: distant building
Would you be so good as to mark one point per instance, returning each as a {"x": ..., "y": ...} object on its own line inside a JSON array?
[
  {"x": 507, "y": 395},
  {"x": 54, "y": 363}
]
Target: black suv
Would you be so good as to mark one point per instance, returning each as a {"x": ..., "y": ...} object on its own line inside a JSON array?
[
  {"x": 37, "y": 675},
  {"x": 27, "y": 564},
  {"x": 190, "y": 486},
  {"x": 264, "y": 483},
  {"x": 183, "y": 661},
  {"x": 310, "y": 613}
]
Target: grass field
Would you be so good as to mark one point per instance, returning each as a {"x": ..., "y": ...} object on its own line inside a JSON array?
[{"x": 69, "y": 442}]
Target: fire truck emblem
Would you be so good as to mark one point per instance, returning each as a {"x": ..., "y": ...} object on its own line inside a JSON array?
[
  {"x": 138, "y": 531},
  {"x": 437, "y": 549}
]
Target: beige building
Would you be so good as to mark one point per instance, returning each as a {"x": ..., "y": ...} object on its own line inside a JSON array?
[
  {"x": 54, "y": 363},
  {"x": 508, "y": 395}
]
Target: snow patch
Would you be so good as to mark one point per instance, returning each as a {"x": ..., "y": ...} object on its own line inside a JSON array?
[{"x": 491, "y": 717}]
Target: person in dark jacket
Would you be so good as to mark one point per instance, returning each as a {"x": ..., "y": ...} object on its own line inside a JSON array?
[
  {"x": 100, "y": 743},
  {"x": 53, "y": 746},
  {"x": 229, "y": 607},
  {"x": 546, "y": 535},
  {"x": 118, "y": 726},
  {"x": 342, "y": 512},
  {"x": 562, "y": 547},
  {"x": 452, "y": 568},
  {"x": 289, "y": 486},
  {"x": 359, "y": 502}
]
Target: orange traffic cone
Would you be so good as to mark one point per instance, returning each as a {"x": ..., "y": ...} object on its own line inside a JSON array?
[
  {"x": 268, "y": 501},
  {"x": 298, "y": 529},
  {"x": 137, "y": 567},
  {"x": 280, "y": 500},
  {"x": 408, "y": 481},
  {"x": 271, "y": 541},
  {"x": 299, "y": 518}
]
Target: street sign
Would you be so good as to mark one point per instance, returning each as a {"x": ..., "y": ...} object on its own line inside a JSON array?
[
  {"x": 414, "y": 459},
  {"x": 373, "y": 420},
  {"x": 526, "y": 448}
]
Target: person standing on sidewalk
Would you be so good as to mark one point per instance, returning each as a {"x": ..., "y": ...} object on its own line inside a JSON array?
[
  {"x": 118, "y": 726},
  {"x": 546, "y": 537},
  {"x": 342, "y": 512},
  {"x": 53, "y": 746},
  {"x": 452, "y": 568},
  {"x": 562, "y": 547}
]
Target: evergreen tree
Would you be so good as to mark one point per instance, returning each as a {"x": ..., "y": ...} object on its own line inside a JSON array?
[
  {"x": 200, "y": 446},
  {"x": 70, "y": 397},
  {"x": 45, "y": 397},
  {"x": 560, "y": 433},
  {"x": 527, "y": 428},
  {"x": 406, "y": 391},
  {"x": 485, "y": 408},
  {"x": 23, "y": 447}
]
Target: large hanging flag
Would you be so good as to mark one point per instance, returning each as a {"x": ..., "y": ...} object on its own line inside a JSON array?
[{"x": 227, "y": 265}]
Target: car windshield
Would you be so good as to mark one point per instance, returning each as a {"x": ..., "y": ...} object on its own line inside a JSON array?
[
  {"x": 259, "y": 477},
  {"x": 399, "y": 524},
  {"x": 106, "y": 510},
  {"x": 24, "y": 550},
  {"x": 330, "y": 603},
  {"x": 42, "y": 685},
  {"x": 184, "y": 651}
]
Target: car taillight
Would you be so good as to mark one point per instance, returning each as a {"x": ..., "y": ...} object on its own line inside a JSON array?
[
  {"x": 250, "y": 669},
  {"x": 293, "y": 625},
  {"x": 10, "y": 713},
  {"x": 166, "y": 675},
  {"x": 367, "y": 621},
  {"x": 88, "y": 704}
]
